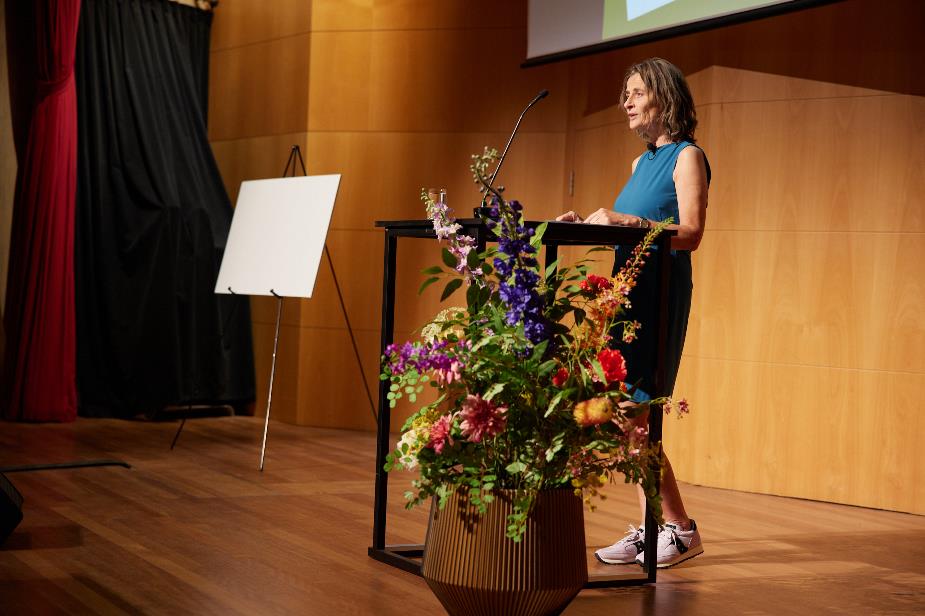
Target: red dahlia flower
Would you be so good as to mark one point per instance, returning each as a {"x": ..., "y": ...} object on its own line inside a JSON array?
[{"x": 613, "y": 364}]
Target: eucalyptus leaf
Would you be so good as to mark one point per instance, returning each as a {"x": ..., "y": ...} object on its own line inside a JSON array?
[
  {"x": 493, "y": 391},
  {"x": 598, "y": 370},
  {"x": 450, "y": 288},
  {"x": 448, "y": 258},
  {"x": 537, "y": 238},
  {"x": 515, "y": 468},
  {"x": 472, "y": 296},
  {"x": 552, "y": 268},
  {"x": 427, "y": 283},
  {"x": 547, "y": 367}
]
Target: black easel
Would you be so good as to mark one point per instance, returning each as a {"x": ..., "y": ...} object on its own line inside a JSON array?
[{"x": 295, "y": 155}]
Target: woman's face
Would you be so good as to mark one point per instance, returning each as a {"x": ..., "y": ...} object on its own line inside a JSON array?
[{"x": 640, "y": 108}]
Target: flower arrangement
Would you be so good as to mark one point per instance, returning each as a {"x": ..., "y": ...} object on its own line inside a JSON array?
[{"x": 531, "y": 396}]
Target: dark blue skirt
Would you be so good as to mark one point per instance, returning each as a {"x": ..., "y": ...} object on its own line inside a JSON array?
[{"x": 641, "y": 353}]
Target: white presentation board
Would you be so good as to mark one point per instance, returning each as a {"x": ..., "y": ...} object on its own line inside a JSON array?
[{"x": 277, "y": 236}]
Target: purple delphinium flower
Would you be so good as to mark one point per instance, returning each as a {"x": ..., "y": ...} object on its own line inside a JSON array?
[
  {"x": 436, "y": 355},
  {"x": 516, "y": 269}
]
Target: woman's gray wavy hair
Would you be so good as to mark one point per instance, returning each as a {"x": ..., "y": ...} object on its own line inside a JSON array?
[{"x": 670, "y": 92}]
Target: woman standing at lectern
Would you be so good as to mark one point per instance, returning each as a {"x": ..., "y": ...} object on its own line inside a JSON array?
[{"x": 670, "y": 179}]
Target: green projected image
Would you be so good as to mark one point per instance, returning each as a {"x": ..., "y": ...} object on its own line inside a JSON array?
[{"x": 630, "y": 17}]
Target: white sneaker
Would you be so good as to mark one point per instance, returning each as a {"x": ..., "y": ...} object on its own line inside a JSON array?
[
  {"x": 624, "y": 551},
  {"x": 675, "y": 546}
]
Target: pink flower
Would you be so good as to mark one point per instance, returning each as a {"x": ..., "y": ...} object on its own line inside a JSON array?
[
  {"x": 440, "y": 433},
  {"x": 629, "y": 331},
  {"x": 481, "y": 418},
  {"x": 681, "y": 406},
  {"x": 451, "y": 374}
]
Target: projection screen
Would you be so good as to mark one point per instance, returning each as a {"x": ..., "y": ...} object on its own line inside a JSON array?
[{"x": 560, "y": 29}]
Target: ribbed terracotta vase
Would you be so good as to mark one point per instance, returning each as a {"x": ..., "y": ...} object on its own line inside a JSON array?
[{"x": 474, "y": 569}]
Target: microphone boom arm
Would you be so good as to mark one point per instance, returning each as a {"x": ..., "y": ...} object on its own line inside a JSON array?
[{"x": 538, "y": 98}]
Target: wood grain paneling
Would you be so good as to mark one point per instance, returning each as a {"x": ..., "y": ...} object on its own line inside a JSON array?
[
  {"x": 330, "y": 387},
  {"x": 817, "y": 164},
  {"x": 415, "y": 14},
  {"x": 383, "y": 173},
  {"x": 259, "y": 89},
  {"x": 244, "y": 22},
  {"x": 832, "y": 434},
  {"x": 430, "y": 80},
  {"x": 254, "y": 158},
  {"x": 847, "y": 300},
  {"x": 721, "y": 84}
]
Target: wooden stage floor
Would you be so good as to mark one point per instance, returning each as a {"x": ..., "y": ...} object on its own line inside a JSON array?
[{"x": 198, "y": 530}]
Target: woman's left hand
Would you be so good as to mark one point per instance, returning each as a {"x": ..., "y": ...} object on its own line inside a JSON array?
[{"x": 609, "y": 217}]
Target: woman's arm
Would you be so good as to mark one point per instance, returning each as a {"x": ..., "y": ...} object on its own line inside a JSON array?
[{"x": 690, "y": 182}]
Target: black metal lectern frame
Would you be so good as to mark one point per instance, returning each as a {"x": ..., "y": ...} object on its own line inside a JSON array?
[{"x": 557, "y": 234}]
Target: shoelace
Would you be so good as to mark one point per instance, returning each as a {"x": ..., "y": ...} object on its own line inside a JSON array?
[
  {"x": 671, "y": 532},
  {"x": 634, "y": 532}
]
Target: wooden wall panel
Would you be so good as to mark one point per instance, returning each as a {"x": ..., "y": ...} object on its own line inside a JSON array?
[
  {"x": 244, "y": 22},
  {"x": 263, "y": 88},
  {"x": 330, "y": 388},
  {"x": 832, "y": 434},
  {"x": 254, "y": 158},
  {"x": 803, "y": 358},
  {"x": 432, "y": 80},
  {"x": 383, "y": 172},
  {"x": 817, "y": 164},
  {"x": 330, "y": 393},
  {"x": 358, "y": 258},
  {"x": 848, "y": 300},
  {"x": 415, "y": 14}
]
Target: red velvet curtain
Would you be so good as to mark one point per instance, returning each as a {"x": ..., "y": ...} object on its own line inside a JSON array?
[{"x": 40, "y": 357}]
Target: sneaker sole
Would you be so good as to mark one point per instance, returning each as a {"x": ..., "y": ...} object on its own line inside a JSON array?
[
  {"x": 614, "y": 562},
  {"x": 683, "y": 557}
]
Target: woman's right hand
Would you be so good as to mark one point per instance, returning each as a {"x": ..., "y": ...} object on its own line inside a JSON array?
[{"x": 569, "y": 216}]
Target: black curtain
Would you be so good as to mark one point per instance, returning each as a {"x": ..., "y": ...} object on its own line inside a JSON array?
[{"x": 152, "y": 218}]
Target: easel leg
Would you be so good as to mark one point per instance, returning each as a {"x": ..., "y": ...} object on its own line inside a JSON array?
[
  {"x": 356, "y": 351},
  {"x": 177, "y": 435},
  {"x": 266, "y": 421}
]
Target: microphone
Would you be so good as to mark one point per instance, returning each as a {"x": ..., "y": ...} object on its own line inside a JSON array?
[{"x": 537, "y": 99}]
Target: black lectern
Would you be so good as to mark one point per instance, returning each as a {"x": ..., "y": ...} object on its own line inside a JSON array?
[{"x": 557, "y": 234}]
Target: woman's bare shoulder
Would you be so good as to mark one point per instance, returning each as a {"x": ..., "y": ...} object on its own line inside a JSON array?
[{"x": 636, "y": 162}]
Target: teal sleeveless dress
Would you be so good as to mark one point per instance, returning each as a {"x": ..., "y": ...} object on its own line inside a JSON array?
[{"x": 650, "y": 193}]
